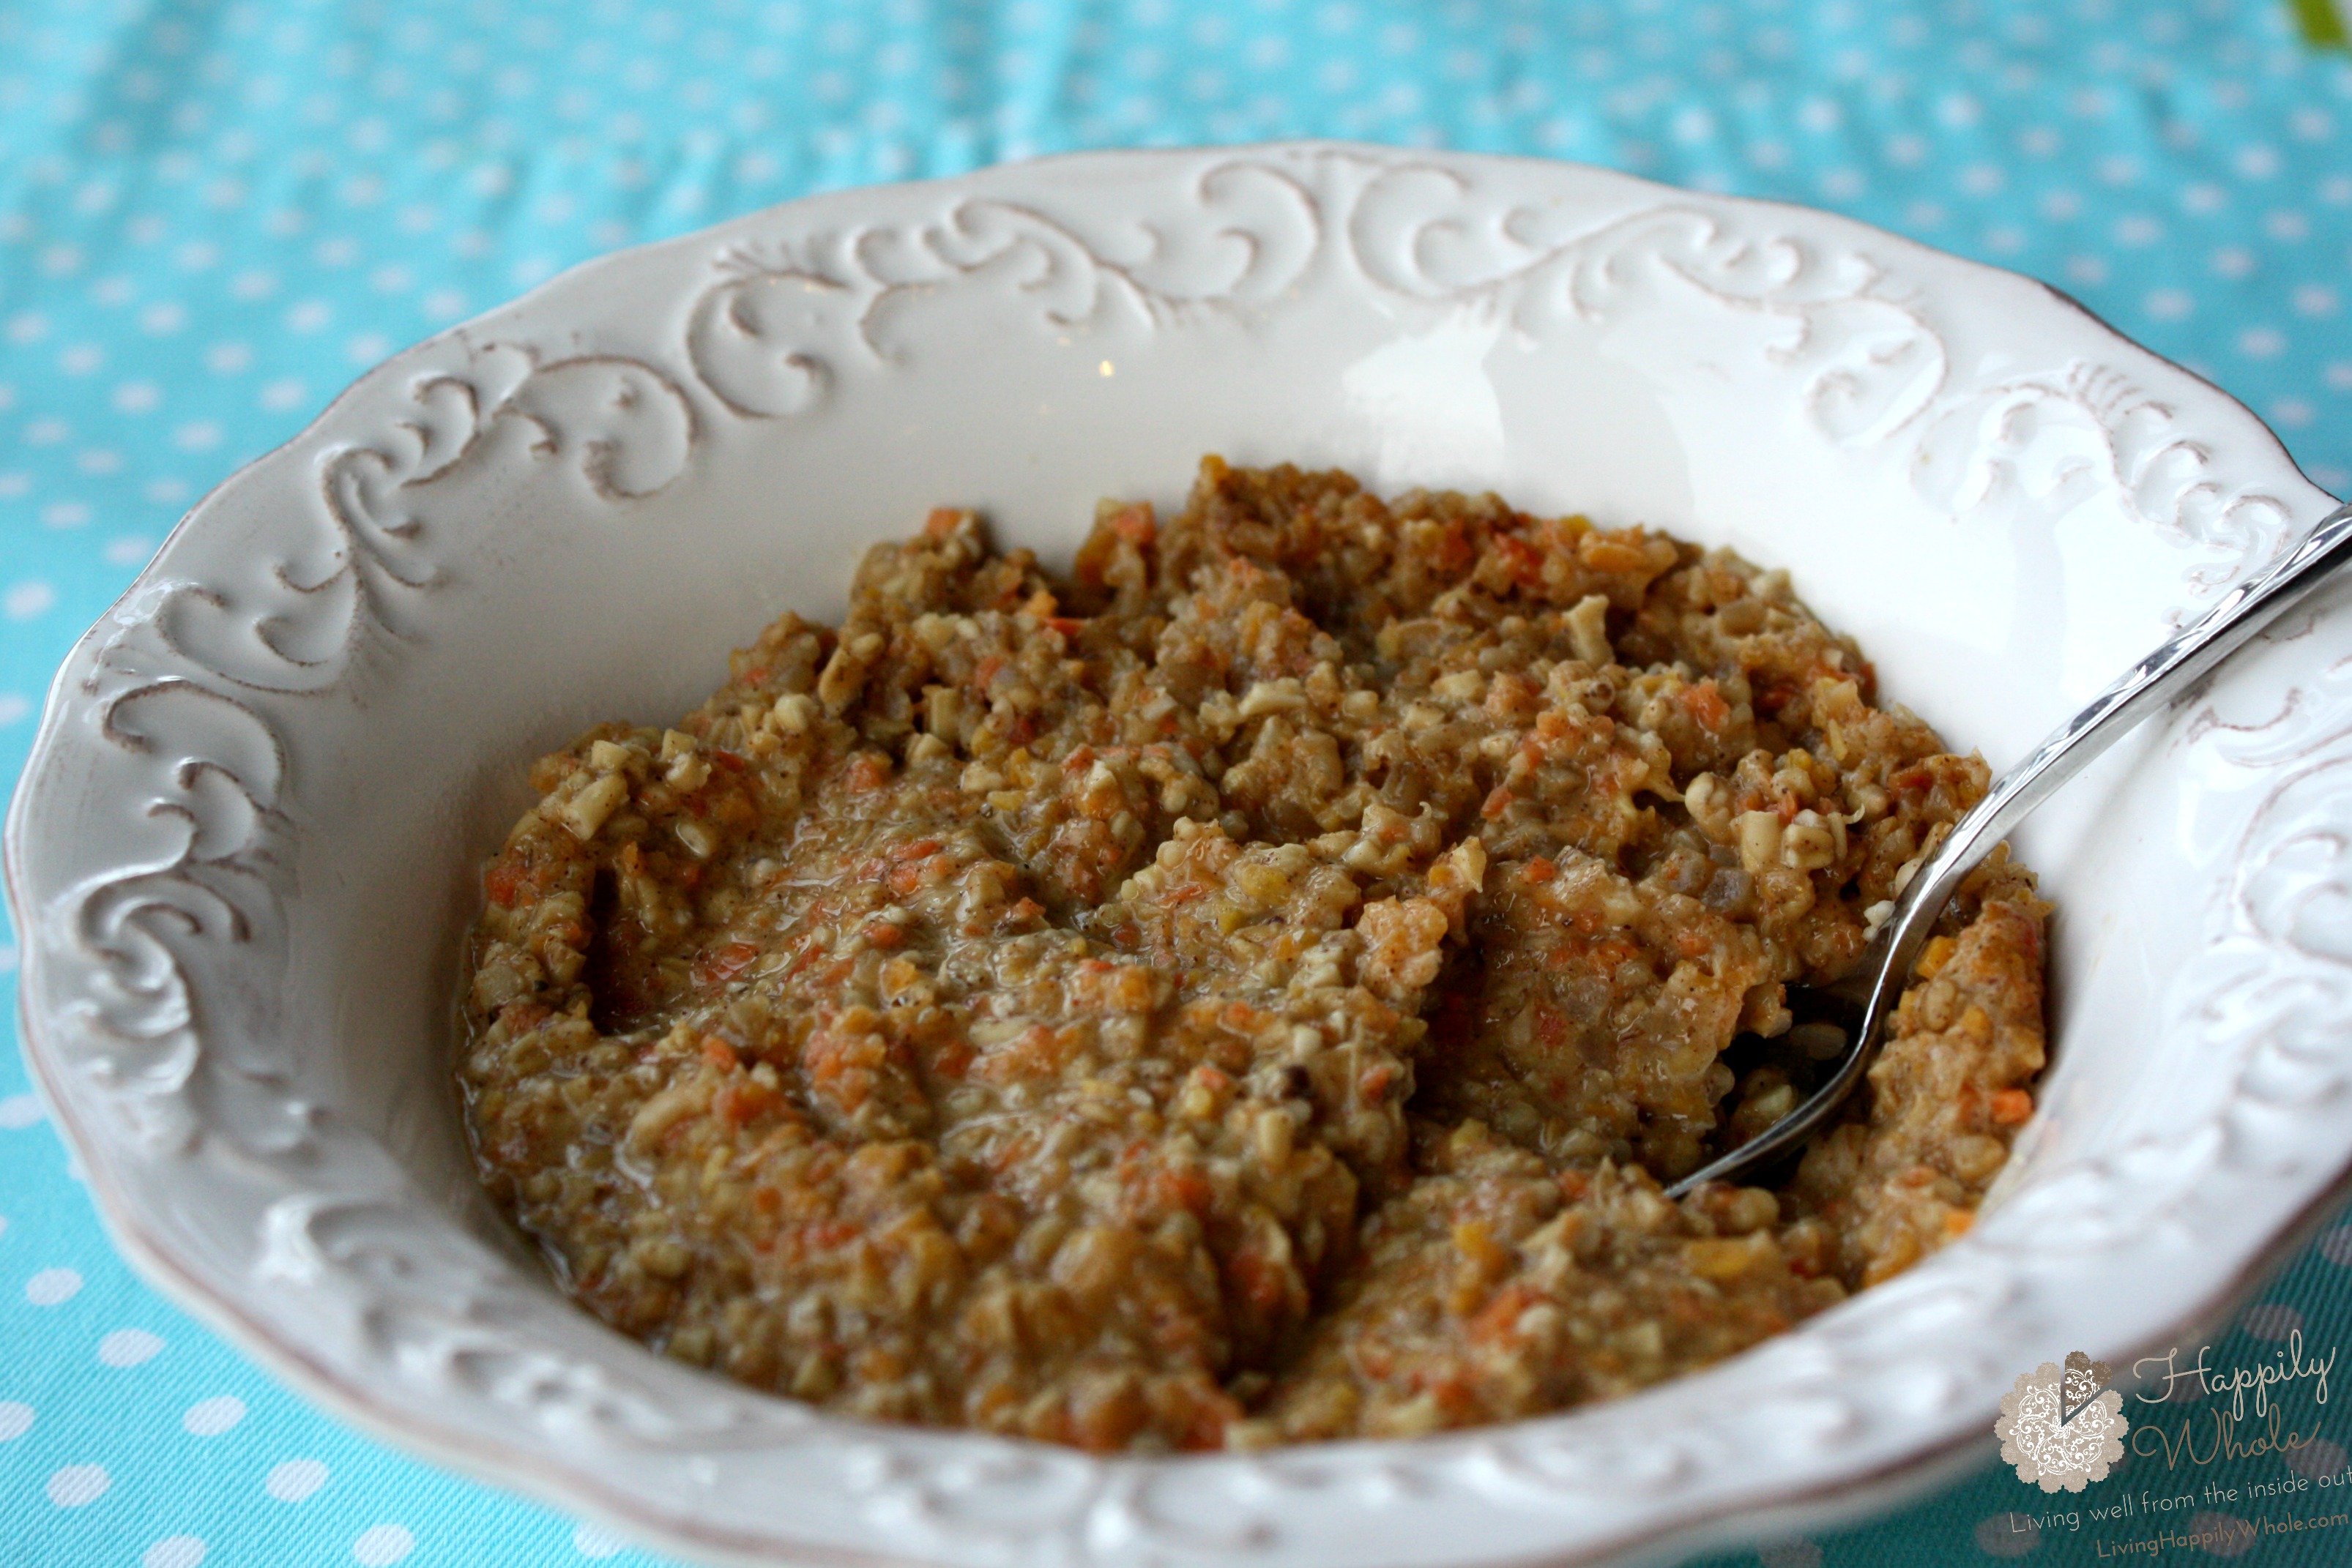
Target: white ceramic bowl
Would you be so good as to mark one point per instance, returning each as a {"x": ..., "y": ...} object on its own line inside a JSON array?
[{"x": 247, "y": 842}]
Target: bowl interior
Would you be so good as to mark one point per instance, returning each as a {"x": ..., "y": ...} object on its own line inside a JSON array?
[{"x": 559, "y": 606}]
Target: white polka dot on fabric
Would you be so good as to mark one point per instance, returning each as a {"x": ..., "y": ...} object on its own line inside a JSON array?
[
  {"x": 2233, "y": 261},
  {"x": 1821, "y": 114},
  {"x": 2040, "y": 142},
  {"x": 1693, "y": 124},
  {"x": 283, "y": 394},
  {"x": 128, "y": 1347},
  {"x": 295, "y": 1479},
  {"x": 65, "y": 513},
  {"x": 77, "y": 1486},
  {"x": 174, "y": 1551},
  {"x": 2286, "y": 224},
  {"x": 2007, "y": 1535},
  {"x": 2318, "y": 1458},
  {"x": 380, "y": 1546},
  {"x": 2262, "y": 343},
  {"x": 227, "y": 358},
  {"x": 15, "y": 1421},
  {"x": 13, "y": 707},
  {"x": 2292, "y": 413},
  {"x": 21, "y": 1110},
  {"x": 52, "y": 1286},
  {"x": 2169, "y": 304},
  {"x": 2315, "y": 300},
  {"x": 2222, "y": 1534},
  {"x": 211, "y": 1418},
  {"x": 2271, "y": 1320},
  {"x": 2339, "y": 376},
  {"x": 596, "y": 1542}
]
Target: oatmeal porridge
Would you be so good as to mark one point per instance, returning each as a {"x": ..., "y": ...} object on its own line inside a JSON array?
[{"x": 1252, "y": 988}]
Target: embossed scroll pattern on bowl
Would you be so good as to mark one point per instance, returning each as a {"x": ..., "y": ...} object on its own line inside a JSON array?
[{"x": 154, "y": 851}]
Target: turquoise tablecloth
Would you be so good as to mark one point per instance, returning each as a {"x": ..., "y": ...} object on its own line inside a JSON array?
[{"x": 213, "y": 213}]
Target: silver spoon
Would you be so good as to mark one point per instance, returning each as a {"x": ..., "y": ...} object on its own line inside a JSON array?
[{"x": 1859, "y": 1006}]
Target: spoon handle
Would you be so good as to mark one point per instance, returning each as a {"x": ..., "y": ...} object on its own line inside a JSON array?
[{"x": 2171, "y": 669}]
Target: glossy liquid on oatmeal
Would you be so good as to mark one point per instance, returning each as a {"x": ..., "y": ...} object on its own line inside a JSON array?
[{"x": 1249, "y": 990}]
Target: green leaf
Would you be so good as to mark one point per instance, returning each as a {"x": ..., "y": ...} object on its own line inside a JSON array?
[{"x": 2322, "y": 23}]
